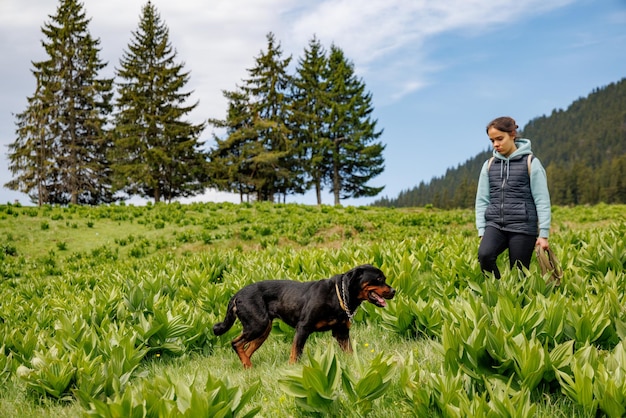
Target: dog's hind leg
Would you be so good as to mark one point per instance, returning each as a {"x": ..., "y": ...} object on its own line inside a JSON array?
[
  {"x": 239, "y": 345},
  {"x": 248, "y": 342},
  {"x": 256, "y": 343}
]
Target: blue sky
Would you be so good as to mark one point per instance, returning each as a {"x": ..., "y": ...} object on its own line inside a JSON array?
[{"x": 438, "y": 71}]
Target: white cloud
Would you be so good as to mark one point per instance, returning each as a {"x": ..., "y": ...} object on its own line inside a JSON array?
[
  {"x": 372, "y": 30},
  {"x": 390, "y": 34}
]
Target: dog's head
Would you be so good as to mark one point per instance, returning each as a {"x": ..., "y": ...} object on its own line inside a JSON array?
[{"x": 368, "y": 283}]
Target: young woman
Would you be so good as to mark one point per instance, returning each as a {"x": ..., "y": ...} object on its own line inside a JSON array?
[{"x": 512, "y": 200}]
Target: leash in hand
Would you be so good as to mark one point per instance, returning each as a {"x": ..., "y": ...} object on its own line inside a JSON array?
[{"x": 549, "y": 263}]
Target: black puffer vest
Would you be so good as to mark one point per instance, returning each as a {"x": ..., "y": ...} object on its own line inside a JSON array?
[{"x": 511, "y": 204}]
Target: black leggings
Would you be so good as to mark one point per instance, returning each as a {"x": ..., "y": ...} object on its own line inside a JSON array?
[{"x": 495, "y": 241}]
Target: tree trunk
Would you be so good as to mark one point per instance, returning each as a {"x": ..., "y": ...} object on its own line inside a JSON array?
[
  {"x": 336, "y": 185},
  {"x": 318, "y": 192}
]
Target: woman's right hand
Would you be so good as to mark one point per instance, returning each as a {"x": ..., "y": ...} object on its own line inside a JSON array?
[{"x": 543, "y": 243}]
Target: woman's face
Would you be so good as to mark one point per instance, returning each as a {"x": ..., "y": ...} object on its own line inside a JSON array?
[{"x": 503, "y": 142}]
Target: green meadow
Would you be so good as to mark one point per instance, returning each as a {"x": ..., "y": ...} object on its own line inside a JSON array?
[{"x": 108, "y": 311}]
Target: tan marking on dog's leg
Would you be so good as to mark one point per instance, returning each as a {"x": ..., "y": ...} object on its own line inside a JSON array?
[
  {"x": 343, "y": 339},
  {"x": 345, "y": 346},
  {"x": 293, "y": 358},
  {"x": 255, "y": 344},
  {"x": 239, "y": 345}
]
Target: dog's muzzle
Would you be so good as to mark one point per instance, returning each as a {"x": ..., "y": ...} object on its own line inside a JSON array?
[{"x": 379, "y": 299}]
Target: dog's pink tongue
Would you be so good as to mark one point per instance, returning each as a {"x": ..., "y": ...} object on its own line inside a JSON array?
[{"x": 380, "y": 300}]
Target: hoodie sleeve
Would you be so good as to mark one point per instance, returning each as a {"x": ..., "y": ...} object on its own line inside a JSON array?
[
  {"x": 482, "y": 199},
  {"x": 541, "y": 195}
]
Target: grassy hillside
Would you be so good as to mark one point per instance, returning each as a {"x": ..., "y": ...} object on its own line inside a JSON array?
[
  {"x": 66, "y": 232},
  {"x": 108, "y": 310}
]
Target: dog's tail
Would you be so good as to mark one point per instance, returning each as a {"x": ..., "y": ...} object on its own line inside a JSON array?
[{"x": 221, "y": 327}]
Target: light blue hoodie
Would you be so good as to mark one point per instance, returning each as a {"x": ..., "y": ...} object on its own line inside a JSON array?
[{"x": 538, "y": 188}]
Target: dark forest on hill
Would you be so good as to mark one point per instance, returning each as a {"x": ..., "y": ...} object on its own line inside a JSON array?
[{"x": 582, "y": 149}]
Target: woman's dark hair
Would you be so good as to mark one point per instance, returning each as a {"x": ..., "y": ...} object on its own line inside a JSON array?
[{"x": 504, "y": 124}]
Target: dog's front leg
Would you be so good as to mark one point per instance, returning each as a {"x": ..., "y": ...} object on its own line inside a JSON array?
[
  {"x": 342, "y": 335},
  {"x": 298, "y": 344}
]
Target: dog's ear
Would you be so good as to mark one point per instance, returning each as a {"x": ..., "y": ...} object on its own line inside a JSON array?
[
  {"x": 350, "y": 274},
  {"x": 355, "y": 276},
  {"x": 360, "y": 271},
  {"x": 368, "y": 268}
]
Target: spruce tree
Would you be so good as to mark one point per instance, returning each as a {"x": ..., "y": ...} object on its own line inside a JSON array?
[
  {"x": 157, "y": 153},
  {"x": 31, "y": 155},
  {"x": 230, "y": 167},
  {"x": 258, "y": 144},
  {"x": 356, "y": 156},
  {"x": 273, "y": 165},
  {"x": 310, "y": 105},
  {"x": 59, "y": 155}
]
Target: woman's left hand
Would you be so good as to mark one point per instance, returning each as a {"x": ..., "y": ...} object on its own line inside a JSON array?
[{"x": 543, "y": 243}]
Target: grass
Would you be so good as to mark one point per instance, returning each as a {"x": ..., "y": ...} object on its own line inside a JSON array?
[
  {"x": 82, "y": 249},
  {"x": 271, "y": 361},
  {"x": 196, "y": 227}
]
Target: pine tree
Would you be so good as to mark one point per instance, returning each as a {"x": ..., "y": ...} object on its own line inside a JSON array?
[
  {"x": 310, "y": 113},
  {"x": 230, "y": 167},
  {"x": 259, "y": 146},
  {"x": 157, "y": 153},
  {"x": 31, "y": 154},
  {"x": 357, "y": 157},
  {"x": 273, "y": 162},
  {"x": 59, "y": 155}
]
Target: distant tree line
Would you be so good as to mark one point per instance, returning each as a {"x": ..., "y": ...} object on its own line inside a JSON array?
[
  {"x": 84, "y": 139},
  {"x": 582, "y": 148}
]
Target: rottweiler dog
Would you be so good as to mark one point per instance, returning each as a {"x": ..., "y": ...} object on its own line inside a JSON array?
[{"x": 309, "y": 307}]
